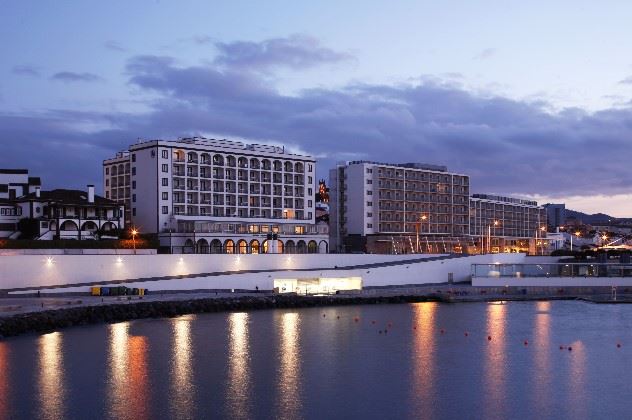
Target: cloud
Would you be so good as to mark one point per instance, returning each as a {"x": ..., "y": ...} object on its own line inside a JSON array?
[
  {"x": 486, "y": 53},
  {"x": 68, "y": 76},
  {"x": 626, "y": 81},
  {"x": 114, "y": 46},
  {"x": 295, "y": 52},
  {"x": 506, "y": 146},
  {"x": 26, "y": 70}
]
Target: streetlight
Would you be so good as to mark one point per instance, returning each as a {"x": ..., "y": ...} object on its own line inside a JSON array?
[
  {"x": 578, "y": 234},
  {"x": 604, "y": 238},
  {"x": 543, "y": 229},
  {"x": 489, "y": 235},
  {"x": 422, "y": 218},
  {"x": 134, "y": 233}
]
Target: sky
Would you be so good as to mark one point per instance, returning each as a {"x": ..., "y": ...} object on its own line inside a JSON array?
[{"x": 531, "y": 99}]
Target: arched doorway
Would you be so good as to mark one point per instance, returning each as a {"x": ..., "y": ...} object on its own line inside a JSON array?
[
  {"x": 69, "y": 225},
  {"x": 229, "y": 246},
  {"x": 254, "y": 246},
  {"x": 312, "y": 247},
  {"x": 89, "y": 226},
  {"x": 323, "y": 247},
  {"x": 301, "y": 247},
  {"x": 243, "y": 246},
  {"x": 202, "y": 246},
  {"x": 216, "y": 246},
  {"x": 290, "y": 247},
  {"x": 188, "y": 247}
]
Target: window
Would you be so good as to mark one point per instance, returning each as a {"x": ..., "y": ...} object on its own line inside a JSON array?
[
  {"x": 107, "y": 194},
  {"x": 134, "y": 211},
  {"x": 369, "y": 192},
  {"x": 310, "y": 167},
  {"x": 165, "y": 210},
  {"x": 133, "y": 170},
  {"x": 310, "y": 180},
  {"x": 107, "y": 171},
  {"x": 309, "y": 203},
  {"x": 369, "y": 203},
  {"x": 133, "y": 157},
  {"x": 165, "y": 196},
  {"x": 369, "y": 181},
  {"x": 165, "y": 182},
  {"x": 107, "y": 182},
  {"x": 369, "y": 170},
  {"x": 133, "y": 198},
  {"x": 369, "y": 214},
  {"x": 165, "y": 154},
  {"x": 369, "y": 225},
  {"x": 165, "y": 167}
]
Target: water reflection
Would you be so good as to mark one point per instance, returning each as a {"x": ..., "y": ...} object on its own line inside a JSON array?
[
  {"x": 423, "y": 359},
  {"x": 496, "y": 362},
  {"x": 577, "y": 379},
  {"x": 542, "y": 343},
  {"x": 181, "y": 372},
  {"x": 289, "y": 387},
  {"x": 238, "y": 369},
  {"x": 4, "y": 381},
  {"x": 128, "y": 383},
  {"x": 51, "y": 381}
]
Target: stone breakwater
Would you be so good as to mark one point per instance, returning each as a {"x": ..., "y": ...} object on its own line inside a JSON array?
[{"x": 51, "y": 320}]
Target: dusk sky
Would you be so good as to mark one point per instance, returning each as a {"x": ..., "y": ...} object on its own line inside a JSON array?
[{"x": 528, "y": 98}]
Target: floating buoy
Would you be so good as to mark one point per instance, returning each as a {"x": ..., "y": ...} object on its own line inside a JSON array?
[
  {"x": 570, "y": 348},
  {"x": 442, "y": 330},
  {"x": 356, "y": 319},
  {"x": 561, "y": 347},
  {"x": 526, "y": 343},
  {"x": 618, "y": 345},
  {"x": 338, "y": 317},
  {"x": 323, "y": 315},
  {"x": 489, "y": 338},
  {"x": 466, "y": 333}
]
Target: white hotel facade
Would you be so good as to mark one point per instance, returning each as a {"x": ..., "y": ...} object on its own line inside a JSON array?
[{"x": 219, "y": 196}]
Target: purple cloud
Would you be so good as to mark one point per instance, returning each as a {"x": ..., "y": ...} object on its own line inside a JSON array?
[
  {"x": 68, "y": 76},
  {"x": 296, "y": 52},
  {"x": 114, "y": 46},
  {"x": 26, "y": 70}
]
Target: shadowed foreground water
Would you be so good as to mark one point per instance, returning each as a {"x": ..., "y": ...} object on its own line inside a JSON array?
[{"x": 435, "y": 361}]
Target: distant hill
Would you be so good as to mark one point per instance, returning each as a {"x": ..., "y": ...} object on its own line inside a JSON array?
[{"x": 595, "y": 219}]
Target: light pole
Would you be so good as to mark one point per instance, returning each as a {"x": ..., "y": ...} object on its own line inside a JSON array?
[
  {"x": 489, "y": 235},
  {"x": 578, "y": 233},
  {"x": 134, "y": 233},
  {"x": 422, "y": 218}
]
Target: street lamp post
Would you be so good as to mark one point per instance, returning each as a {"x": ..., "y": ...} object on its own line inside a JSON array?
[
  {"x": 134, "y": 233},
  {"x": 422, "y": 218},
  {"x": 578, "y": 233},
  {"x": 489, "y": 235}
]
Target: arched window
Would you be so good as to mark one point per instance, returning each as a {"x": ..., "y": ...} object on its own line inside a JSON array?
[
  {"x": 254, "y": 246},
  {"x": 229, "y": 246},
  {"x": 202, "y": 246},
  {"x": 243, "y": 246},
  {"x": 290, "y": 247},
  {"x": 301, "y": 247},
  {"x": 216, "y": 246},
  {"x": 312, "y": 247}
]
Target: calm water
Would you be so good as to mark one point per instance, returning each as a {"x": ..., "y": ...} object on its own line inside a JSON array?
[{"x": 299, "y": 364}]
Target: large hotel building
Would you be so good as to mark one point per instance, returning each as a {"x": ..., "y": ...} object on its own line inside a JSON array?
[
  {"x": 219, "y": 196},
  {"x": 414, "y": 208}
]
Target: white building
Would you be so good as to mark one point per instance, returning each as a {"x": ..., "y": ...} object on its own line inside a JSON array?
[
  {"x": 397, "y": 208},
  {"x": 507, "y": 224},
  {"x": 117, "y": 181},
  {"x": 219, "y": 196},
  {"x": 13, "y": 183}
]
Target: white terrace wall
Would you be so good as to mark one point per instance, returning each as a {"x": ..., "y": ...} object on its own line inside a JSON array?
[{"x": 25, "y": 271}]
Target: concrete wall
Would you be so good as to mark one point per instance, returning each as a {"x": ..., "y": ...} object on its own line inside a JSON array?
[
  {"x": 25, "y": 271},
  {"x": 552, "y": 281}
]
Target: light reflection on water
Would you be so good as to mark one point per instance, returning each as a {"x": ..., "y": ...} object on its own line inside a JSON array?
[
  {"x": 297, "y": 363},
  {"x": 423, "y": 363},
  {"x": 238, "y": 390},
  {"x": 542, "y": 344},
  {"x": 128, "y": 382},
  {"x": 289, "y": 400},
  {"x": 4, "y": 381},
  {"x": 496, "y": 362},
  {"x": 181, "y": 371},
  {"x": 51, "y": 380}
]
